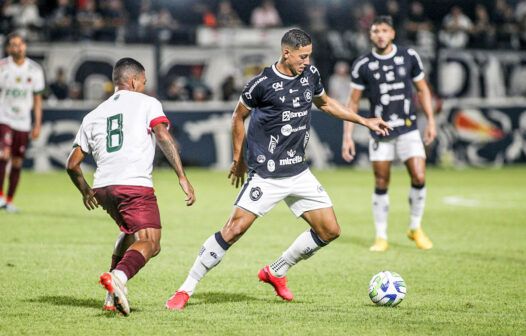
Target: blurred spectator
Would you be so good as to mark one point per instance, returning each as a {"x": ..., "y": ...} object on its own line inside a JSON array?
[
  {"x": 209, "y": 18},
  {"x": 265, "y": 16},
  {"x": 366, "y": 16},
  {"x": 316, "y": 18},
  {"x": 89, "y": 20},
  {"x": 113, "y": 16},
  {"x": 455, "y": 29},
  {"x": 229, "y": 91},
  {"x": 76, "y": 92},
  {"x": 166, "y": 25},
  {"x": 176, "y": 90},
  {"x": 483, "y": 32},
  {"x": 227, "y": 16},
  {"x": 59, "y": 88},
  {"x": 520, "y": 11},
  {"x": 507, "y": 28},
  {"x": 25, "y": 18},
  {"x": 196, "y": 87},
  {"x": 339, "y": 82},
  {"x": 393, "y": 10},
  {"x": 417, "y": 22},
  {"x": 60, "y": 21}
]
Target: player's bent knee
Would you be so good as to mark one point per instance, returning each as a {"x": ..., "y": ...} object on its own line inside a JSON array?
[
  {"x": 418, "y": 179},
  {"x": 331, "y": 234}
]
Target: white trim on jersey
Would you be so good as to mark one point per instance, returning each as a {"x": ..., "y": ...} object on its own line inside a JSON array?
[
  {"x": 358, "y": 65},
  {"x": 320, "y": 94},
  {"x": 412, "y": 52},
  {"x": 242, "y": 101},
  {"x": 357, "y": 86},
  {"x": 276, "y": 71},
  {"x": 384, "y": 57},
  {"x": 419, "y": 77}
]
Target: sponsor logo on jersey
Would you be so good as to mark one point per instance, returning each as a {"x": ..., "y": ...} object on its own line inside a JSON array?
[
  {"x": 261, "y": 158},
  {"x": 398, "y": 60},
  {"x": 386, "y": 87},
  {"x": 292, "y": 90},
  {"x": 277, "y": 86},
  {"x": 304, "y": 81},
  {"x": 373, "y": 66},
  {"x": 271, "y": 165},
  {"x": 306, "y": 139},
  {"x": 390, "y": 76},
  {"x": 376, "y": 76},
  {"x": 385, "y": 99},
  {"x": 116, "y": 97},
  {"x": 255, "y": 193},
  {"x": 273, "y": 143},
  {"x": 287, "y": 129},
  {"x": 387, "y": 67},
  {"x": 282, "y": 98},
  {"x": 313, "y": 69},
  {"x": 296, "y": 101},
  {"x": 291, "y": 152},
  {"x": 287, "y": 115},
  {"x": 248, "y": 94},
  {"x": 290, "y": 161},
  {"x": 18, "y": 79},
  {"x": 29, "y": 79},
  {"x": 378, "y": 111},
  {"x": 320, "y": 189},
  {"x": 308, "y": 95}
]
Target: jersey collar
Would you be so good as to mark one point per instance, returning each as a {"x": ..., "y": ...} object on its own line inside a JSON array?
[
  {"x": 388, "y": 56},
  {"x": 279, "y": 74},
  {"x": 12, "y": 61}
]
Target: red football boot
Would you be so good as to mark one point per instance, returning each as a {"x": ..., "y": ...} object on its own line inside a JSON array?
[
  {"x": 279, "y": 284},
  {"x": 178, "y": 300}
]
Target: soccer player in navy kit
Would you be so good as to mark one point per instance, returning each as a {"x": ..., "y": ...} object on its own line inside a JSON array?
[
  {"x": 388, "y": 73},
  {"x": 279, "y": 101}
]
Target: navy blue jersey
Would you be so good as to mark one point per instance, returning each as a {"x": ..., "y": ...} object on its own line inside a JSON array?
[
  {"x": 280, "y": 120},
  {"x": 388, "y": 80}
]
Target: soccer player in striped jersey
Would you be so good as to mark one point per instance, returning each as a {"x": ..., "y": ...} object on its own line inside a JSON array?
[{"x": 387, "y": 75}]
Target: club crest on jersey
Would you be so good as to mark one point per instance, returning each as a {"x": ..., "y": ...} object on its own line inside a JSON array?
[
  {"x": 273, "y": 143},
  {"x": 261, "y": 158},
  {"x": 277, "y": 86},
  {"x": 373, "y": 66},
  {"x": 308, "y": 95},
  {"x": 376, "y": 76},
  {"x": 401, "y": 72},
  {"x": 399, "y": 60},
  {"x": 29, "y": 79},
  {"x": 296, "y": 102},
  {"x": 255, "y": 193},
  {"x": 271, "y": 165},
  {"x": 18, "y": 79},
  {"x": 286, "y": 130},
  {"x": 291, "y": 152},
  {"x": 304, "y": 81}
]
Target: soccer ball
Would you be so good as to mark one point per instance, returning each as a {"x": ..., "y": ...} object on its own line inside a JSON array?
[{"x": 387, "y": 289}]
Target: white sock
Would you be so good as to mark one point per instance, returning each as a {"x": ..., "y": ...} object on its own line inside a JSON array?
[
  {"x": 303, "y": 247},
  {"x": 209, "y": 256},
  {"x": 417, "y": 202},
  {"x": 120, "y": 275},
  {"x": 380, "y": 213}
]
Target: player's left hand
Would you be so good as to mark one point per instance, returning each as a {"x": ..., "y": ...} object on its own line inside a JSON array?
[
  {"x": 237, "y": 172},
  {"x": 430, "y": 133},
  {"x": 35, "y": 132},
  {"x": 188, "y": 190},
  {"x": 378, "y": 125},
  {"x": 90, "y": 202}
]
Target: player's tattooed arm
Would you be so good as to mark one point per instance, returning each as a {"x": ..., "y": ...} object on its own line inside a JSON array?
[
  {"x": 75, "y": 174},
  {"x": 169, "y": 148}
]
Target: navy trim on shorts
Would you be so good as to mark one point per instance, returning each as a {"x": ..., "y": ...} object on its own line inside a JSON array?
[
  {"x": 317, "y": 239},
  {"x": 221, "y": 241},
  {"x": 244, "y": 188}
]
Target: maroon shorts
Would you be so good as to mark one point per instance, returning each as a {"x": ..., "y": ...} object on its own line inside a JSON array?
[
  {"x": 132, "y": 207},
  {"x": 16, "y": 140}
]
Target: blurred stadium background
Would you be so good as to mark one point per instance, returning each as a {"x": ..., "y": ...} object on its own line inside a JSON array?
[{"x": 199, "y": 53}]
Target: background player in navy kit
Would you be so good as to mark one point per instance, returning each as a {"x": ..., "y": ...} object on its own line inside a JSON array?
[
  {"x": 279, "y": 100},
  {"x": 387, "y": 72}
]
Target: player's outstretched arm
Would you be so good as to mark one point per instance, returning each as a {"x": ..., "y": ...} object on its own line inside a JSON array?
[
  {"x": 348, "y": 148},
  {"x": 239, "y": 166},
  {"x": 334, "y": 108},
  {"x": 424, "y": 95},
  {"x": 169, "y": 148},
  {"x": 75, "y": 174}
]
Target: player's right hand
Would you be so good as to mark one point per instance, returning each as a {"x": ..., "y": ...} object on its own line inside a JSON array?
[
  {"x": 90, "y": 202},
  {"x": 237, "y": 172},
  {"x": 378, "y": 125},
  {"x": 348, "y": 150},
  {"x": 188, "y": 190}
]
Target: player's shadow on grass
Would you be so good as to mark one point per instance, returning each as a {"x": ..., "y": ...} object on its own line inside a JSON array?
[
  {"x": 219, "y": 297},
  {"x": 61, "y": 300}
]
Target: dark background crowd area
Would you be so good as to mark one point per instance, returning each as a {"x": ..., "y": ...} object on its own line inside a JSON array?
[{"x": 484, "y": 24}]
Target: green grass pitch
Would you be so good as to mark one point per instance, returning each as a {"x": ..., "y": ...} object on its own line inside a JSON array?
[{"x": 52, "y": 253}]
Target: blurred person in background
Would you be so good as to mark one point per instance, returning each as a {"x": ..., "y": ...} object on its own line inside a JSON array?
[
  {"x": 456, "y": 27},
  {"x": 339, "y": 82},
  {"x": 25, "y": 18},
  {"x": 59, "y": 88},
  {"x": 265, "y": 16},
  {"x": 89, "y": 20},
  {"x": 196, "y": 83},
  {"x": 226, "y": 16},
  {"x": 60, "y": 21},
  {"x": 21, "y": 87},
  {"x": 388, "y": 73},
  {"x": 483, "y": 31},
  {"x": 417, "y": 22},
  {"x": 229, "y": 90}
]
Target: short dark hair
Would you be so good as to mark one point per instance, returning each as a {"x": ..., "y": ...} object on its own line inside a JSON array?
[
  {"x": 387, "y": 19},
  {"x": 11, "y": 36},
  {"x": 125, "y": 68},
  {"x": 296, "y": 38}
]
